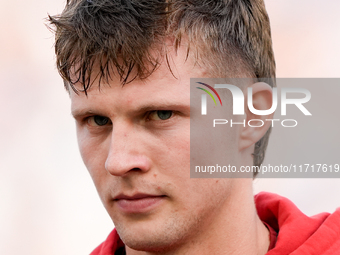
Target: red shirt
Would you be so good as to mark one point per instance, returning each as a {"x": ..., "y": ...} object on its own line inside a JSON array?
[{"x": 291, "y": 231}]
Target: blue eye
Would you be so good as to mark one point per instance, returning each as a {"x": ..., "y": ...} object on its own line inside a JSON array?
[
  {"x": 164, "y": 115},
  {"x": 98, "y": 120},
  {"x": 160, "y": 115}
]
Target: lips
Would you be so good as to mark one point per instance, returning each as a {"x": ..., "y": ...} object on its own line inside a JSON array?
[{"x": 138, "y": 203}]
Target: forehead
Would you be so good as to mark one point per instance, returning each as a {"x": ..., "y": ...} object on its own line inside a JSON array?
[
  {"x": 171, "y": 60},
  {"x": 170, "y": 82}
]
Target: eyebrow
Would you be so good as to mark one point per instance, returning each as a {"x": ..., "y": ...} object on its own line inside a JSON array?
[
  {"x": 77, "y": 113},
  {"x": 162, "y": 106}
]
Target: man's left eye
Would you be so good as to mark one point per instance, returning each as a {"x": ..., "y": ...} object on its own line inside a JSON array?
[{"x": 160, "y": 115}]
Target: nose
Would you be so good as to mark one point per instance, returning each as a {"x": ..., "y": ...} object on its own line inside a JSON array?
[{"x": 127, "y": 152}]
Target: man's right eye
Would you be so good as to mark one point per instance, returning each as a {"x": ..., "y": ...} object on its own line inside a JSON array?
[{"x": 98, "y": 120}]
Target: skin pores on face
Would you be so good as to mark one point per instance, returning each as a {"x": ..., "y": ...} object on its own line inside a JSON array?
[{"x": 135, "y": 142}]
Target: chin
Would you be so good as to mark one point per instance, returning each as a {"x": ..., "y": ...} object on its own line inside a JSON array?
[
  {"x": 159, "y": 240},
  {"x": 149, "y": 244}
]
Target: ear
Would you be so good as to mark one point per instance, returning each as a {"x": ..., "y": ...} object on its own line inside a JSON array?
[{"x": 257, "y": 127}]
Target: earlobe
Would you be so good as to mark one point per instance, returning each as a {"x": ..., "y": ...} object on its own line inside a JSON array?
[{"x": 260, "y": 106}]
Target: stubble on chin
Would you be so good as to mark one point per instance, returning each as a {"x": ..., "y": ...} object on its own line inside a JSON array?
[{"x": 160, "y": 236}]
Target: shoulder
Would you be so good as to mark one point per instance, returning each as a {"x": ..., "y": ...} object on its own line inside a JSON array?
[
  {"x": 297, "y": 232},
  {"x": 110, "y": 245}
]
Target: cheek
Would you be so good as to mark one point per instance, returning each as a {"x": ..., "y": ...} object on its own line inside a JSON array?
[
  {"x": 205, "y": 197},
  {"x": 93, "y": 152},
  {"x": 175, "y": 155},
  {"x": 93, "y": 155},
  {"x": 200, "y": 193}
]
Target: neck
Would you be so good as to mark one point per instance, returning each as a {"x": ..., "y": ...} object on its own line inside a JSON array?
[{"x": 234, "y": 230}]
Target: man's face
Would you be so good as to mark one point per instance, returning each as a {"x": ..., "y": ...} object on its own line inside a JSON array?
[{"x": 135, "y": 142}]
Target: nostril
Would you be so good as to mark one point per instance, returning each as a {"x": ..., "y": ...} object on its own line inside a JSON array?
[
  {"x": 120, "y": 164},
  {"x": 136, "y": 169}
]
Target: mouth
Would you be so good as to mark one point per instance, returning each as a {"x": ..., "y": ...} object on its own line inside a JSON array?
[{"x": 138, "y": 203}]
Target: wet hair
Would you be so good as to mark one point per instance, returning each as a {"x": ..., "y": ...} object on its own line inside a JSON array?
[{"x": 119, "y": 38}]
